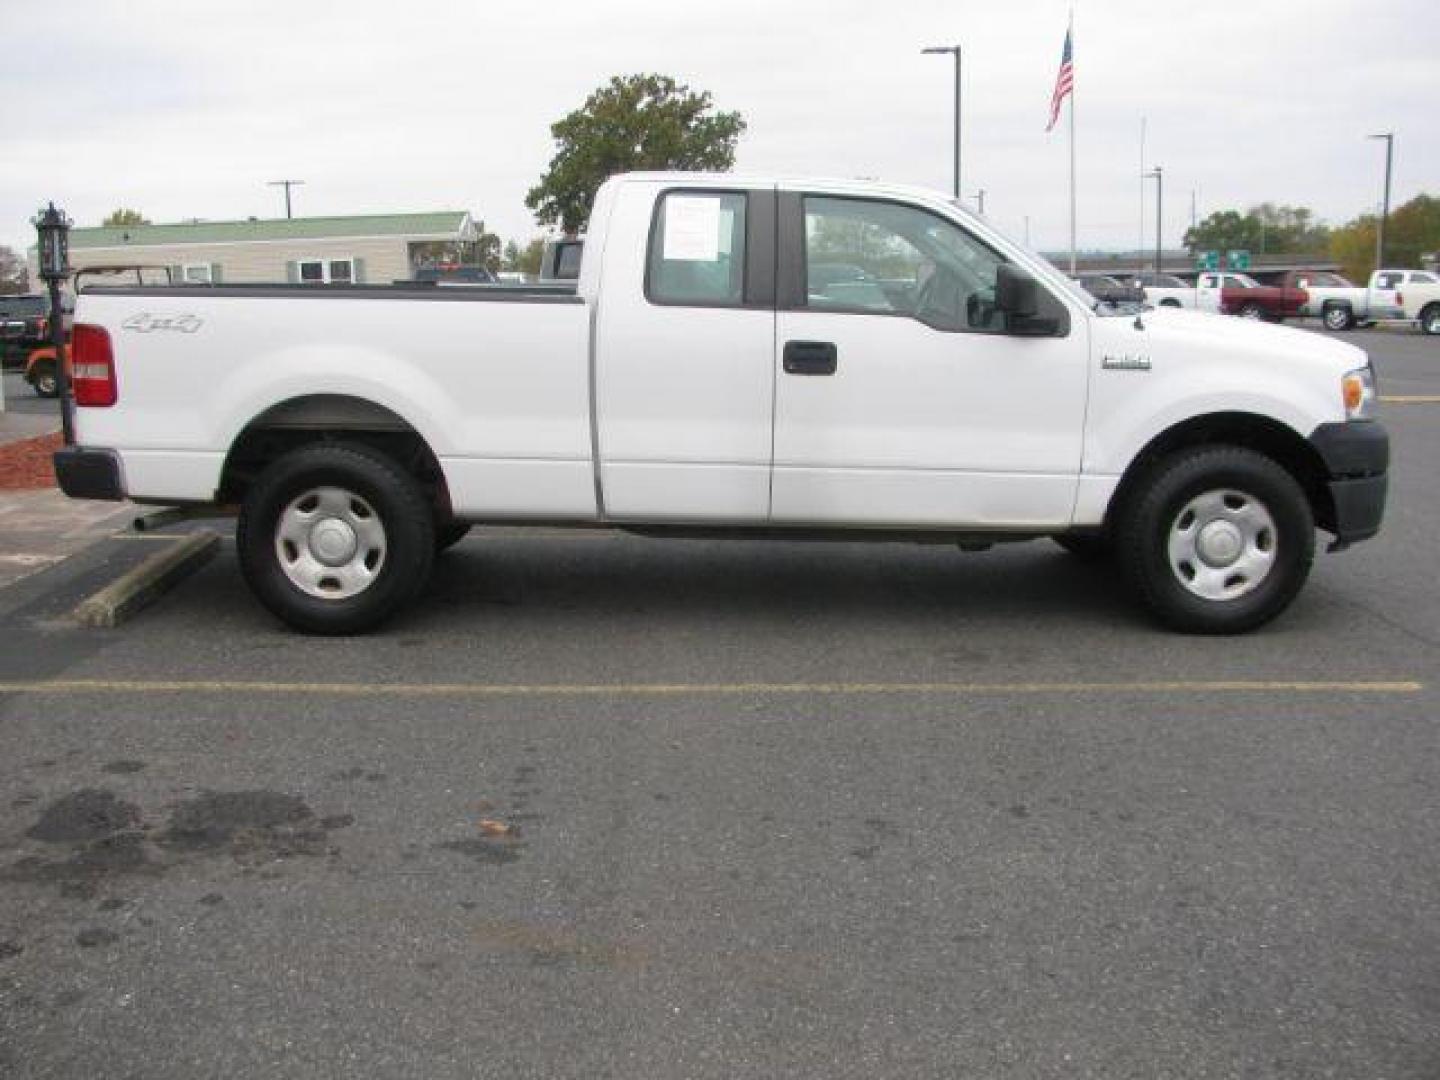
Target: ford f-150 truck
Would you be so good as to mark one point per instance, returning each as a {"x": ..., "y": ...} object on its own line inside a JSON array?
[
  {"x": 701, "y": 378},
  {"x": 1240, "y": 294}
]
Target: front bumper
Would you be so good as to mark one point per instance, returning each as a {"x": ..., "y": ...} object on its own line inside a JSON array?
[
  {"x": 1357, "y": 459},
  {"x": 89, "y": 474}
]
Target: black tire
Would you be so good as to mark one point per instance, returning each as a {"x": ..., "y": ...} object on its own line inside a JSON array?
[
  {"x": 449, "y": 532},
  {"x": 383, "y": 489},
  {"x": 42, "y": 380},
  {"x": 1430, "y": 319},
  {"x": 1090, "y": 547},
  {"x": 1251, "y": 310},
  {"x": 1155, "y": 511},
  {"x": 1338, "y": 317}
]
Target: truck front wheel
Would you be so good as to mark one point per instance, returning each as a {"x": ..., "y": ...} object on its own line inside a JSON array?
[
  {"x": 1217, "y": 540},
  {"x": 334, "y": 538}
]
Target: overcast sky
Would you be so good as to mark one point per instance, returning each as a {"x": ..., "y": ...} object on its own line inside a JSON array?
[{"x": 186, "y": 109}]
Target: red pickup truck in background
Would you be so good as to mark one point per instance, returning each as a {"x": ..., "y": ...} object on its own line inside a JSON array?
[{"x": 1240, "y": 294}]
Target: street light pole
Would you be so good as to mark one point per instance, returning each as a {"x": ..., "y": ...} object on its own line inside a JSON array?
[
  {"x": 1158, "y": 176},
  {"x": 1389, "y": 138},
  {"x": 53, "y": 256},
  {"x": 955, "y": 49}
]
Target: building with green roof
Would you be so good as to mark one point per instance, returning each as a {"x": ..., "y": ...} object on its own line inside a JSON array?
[{"x": 356, "y": 248}]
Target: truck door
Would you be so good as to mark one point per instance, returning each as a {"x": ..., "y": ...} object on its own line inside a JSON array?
[
  {"x": 1207, "y": 292},
  {"x": 684, "y": 345},
  {"x": 1385, "y": 287},
  {"x": 901, "y": 397}
]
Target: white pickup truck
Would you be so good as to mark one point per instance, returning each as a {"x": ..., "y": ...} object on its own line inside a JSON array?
[
  {"x": 704, "y": 377},
  {"x": 1418, "y": 294},
  {"x": 1390, "y": 296}
]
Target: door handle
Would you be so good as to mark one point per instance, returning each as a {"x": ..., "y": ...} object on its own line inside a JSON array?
[{"x": 810, "y": 358}]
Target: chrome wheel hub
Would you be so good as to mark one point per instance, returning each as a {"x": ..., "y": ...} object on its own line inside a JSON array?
[
  {"x": 1222, "y": 544},
  {"x": 330, "y": 543}
]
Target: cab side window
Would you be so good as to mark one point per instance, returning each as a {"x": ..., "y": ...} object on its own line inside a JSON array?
[
  {"x": 872, "y": 256},
  {"x": 697, "y": 250}
]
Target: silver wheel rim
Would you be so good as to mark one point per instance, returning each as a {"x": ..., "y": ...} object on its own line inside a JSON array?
[
  {"x": 1250, "y": 312},
  {"x": 330, "y": 543},
  {"x": 1222, "y": 544},
  {"x": 1336, "y": 319},
  {"x": 1432, "y": 324},
  {"x": 45, "y": 384}
]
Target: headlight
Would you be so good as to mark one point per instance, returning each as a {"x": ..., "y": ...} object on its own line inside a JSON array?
[{"x": 1357, "y": 390}]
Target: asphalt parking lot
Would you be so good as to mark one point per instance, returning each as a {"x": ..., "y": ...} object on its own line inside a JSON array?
[{"x": 604, "y": 806}]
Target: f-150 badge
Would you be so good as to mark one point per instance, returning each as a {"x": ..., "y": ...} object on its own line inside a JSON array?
[
  {"x": 1125, "y": 362},
  {"x": 146, "y": 323}
]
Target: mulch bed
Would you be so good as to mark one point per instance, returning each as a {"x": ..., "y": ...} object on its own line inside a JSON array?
[{"x": 26, "y": 464}]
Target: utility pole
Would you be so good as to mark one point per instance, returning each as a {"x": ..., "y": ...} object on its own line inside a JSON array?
[
  {"x": 287, "y": 185},
  {"x": 955, "y": 49},
  {"x": 1158, "y": 176},
  {"x": 1140, "y": 247},
  {"x": 1389, "y": 138}
]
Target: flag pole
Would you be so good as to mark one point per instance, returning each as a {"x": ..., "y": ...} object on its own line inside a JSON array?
[{"x": 1071, "y": 34}]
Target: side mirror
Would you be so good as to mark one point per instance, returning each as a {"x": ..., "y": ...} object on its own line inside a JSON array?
[{"x": 1015, "y": 292}]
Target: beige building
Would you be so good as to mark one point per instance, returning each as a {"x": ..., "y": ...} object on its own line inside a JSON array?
[{"x": 371, "y": 248}]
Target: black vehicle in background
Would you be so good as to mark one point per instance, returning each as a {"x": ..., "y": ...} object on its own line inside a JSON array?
[{"x": 1104, "y": 287}]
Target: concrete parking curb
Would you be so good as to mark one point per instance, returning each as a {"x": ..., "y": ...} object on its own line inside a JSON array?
[{"x": 136, "y": 589}]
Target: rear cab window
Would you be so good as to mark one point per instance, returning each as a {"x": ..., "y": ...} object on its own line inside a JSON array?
[{"x": 697, "y": 249}]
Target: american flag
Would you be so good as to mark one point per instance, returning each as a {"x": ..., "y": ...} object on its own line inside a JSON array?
[{"x": 1064, "y": 83}]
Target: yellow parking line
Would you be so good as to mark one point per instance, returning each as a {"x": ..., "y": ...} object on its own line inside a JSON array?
[
  {"x": 640, "y": 690},
  {"x": 1410, "y": 399}
]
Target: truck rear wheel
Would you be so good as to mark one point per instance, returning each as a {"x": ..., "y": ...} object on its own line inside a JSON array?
[
  {"x": 1252, "y": 310},
  {"x": 1430, "y": 319},
  {"x": 1338, "y": 317},
  {"x": 335, "y": 538},
  {"x": 1218, "y": 540}
]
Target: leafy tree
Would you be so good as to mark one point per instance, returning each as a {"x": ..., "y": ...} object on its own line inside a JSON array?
[
  {"x": 119, "y": 219},
  {"x": 1267, "y": 227},
  {"x": 1223, "y": 230},
  {"x": 633, "y": 122},
  {"x": 14, "y": 277},
  {"x": 1353, "y": 247},
  {"x": 485, "y": 251},
  {"x": 524, "y": 260},
  {"x": 1412, "y": 231}
]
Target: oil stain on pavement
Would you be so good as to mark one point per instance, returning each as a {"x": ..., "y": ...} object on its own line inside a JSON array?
[{"x": 91, "y": 837}]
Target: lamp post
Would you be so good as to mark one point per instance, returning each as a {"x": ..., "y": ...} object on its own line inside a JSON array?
[
  {"x": 955, "y": 49},
  {"x": 53, "y": 228},
  {"x": 1389, "y": 138},
  {"x": 1158, "y": 175}
]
